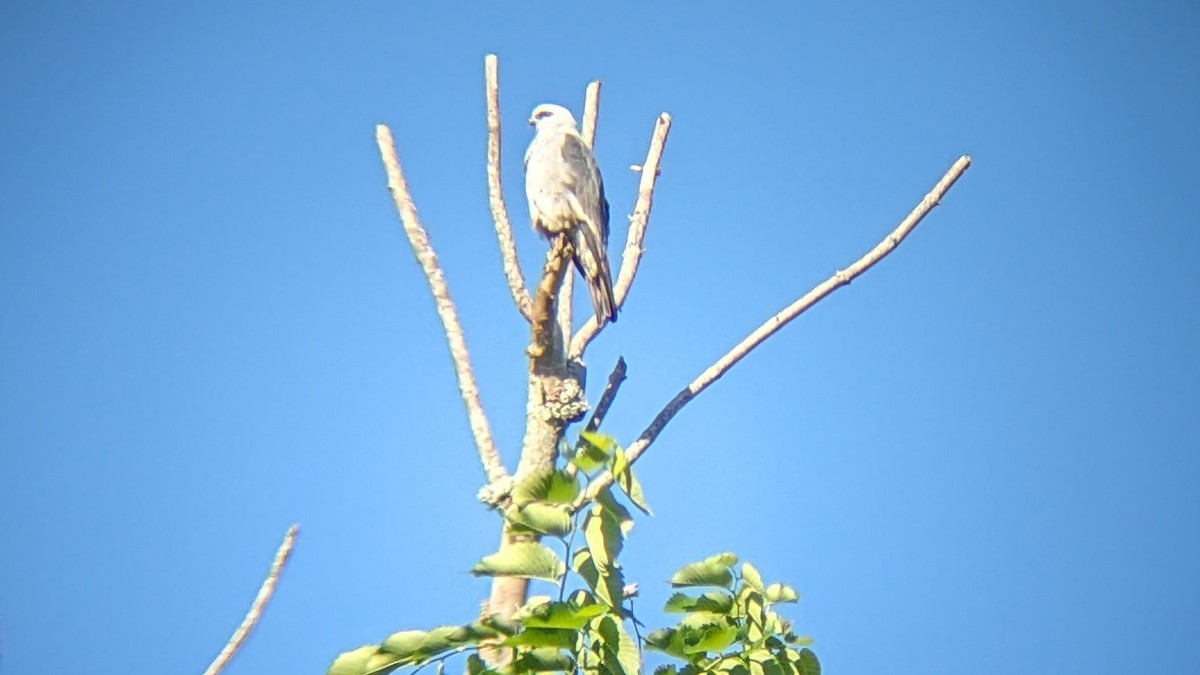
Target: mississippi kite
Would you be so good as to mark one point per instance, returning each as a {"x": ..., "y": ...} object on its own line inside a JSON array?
[{"x": 566, "y": 195}]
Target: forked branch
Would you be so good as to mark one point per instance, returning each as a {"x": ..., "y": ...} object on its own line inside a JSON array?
[
  {"x": 632, "y": 256},
  {"x": 772, "y": 325},
  {"x": 492, "y": 466},
  {"x": 260, "y": 603},
  {"x": 566, "y": 292}
]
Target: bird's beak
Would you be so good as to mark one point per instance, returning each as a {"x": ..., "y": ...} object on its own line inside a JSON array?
[{"x": 532, "y": 121}]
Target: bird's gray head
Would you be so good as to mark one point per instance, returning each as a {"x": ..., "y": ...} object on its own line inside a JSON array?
[{"x": 550, "y": 116}]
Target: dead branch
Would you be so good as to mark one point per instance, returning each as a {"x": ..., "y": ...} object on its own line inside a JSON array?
[
  {"x": 566, "y": 292},
  {"x": 615, "y": 378},
  {"x": 591, "y": 113},
  {"x": 504, "y": 232},
  {"x": 492, "y": 466},
  {"x": 632, "y": 256},
  {"x": 256, "y": 608},
  {"x": 772, "y": 325}
]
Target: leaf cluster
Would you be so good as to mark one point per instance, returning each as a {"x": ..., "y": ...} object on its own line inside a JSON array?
[
  {"x": 732, "y": 630},
  {"x": 587, "y": 631}
]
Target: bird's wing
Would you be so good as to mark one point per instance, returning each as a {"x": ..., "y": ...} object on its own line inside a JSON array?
[{"x": 582, "y": 175}]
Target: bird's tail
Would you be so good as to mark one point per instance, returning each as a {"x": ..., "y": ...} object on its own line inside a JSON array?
[
  {"x": 603, "y": 300},
  {"x": 592, "y": 261}
]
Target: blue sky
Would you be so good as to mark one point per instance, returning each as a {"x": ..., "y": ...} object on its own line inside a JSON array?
[{"x": 983, "y": 452}]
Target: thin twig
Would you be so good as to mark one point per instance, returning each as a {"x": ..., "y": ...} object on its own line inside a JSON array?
[
  {"x": 504, "y": 232},
  {"x": 767, "y": 329},
  {"x": 632, "y": 256},
  {"x": 492, "y": 466},
  {"x": 260, "y": 603},
  {"x": 615, "y": 378}
]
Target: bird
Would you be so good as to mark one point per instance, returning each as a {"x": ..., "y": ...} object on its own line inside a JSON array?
[{"x": 566, "y": 196}]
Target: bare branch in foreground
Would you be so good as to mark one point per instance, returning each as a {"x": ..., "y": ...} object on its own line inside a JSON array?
[
  {"x": 492, "y": 466},
  {"x": 769, "y": 328},
  {"x": 615, "y": 378},
  {"x": 504, "y": 232},
  {"x": 256, "y": 608},
  {"x": 632, "y": 256}
]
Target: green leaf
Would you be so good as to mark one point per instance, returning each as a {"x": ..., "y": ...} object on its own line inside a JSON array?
[
  {"x": 441, "y": 639},
  {"x": 592, "y": 451},
  {"x": 475, "y": 665},
  {"x": 668, "y": 669},
  {"x": 581, "y": 598},
  {"x": 608, "y": 584},
  {"x": 751, "y": 605},
  {"x": 602, "y": 442},
  {"x": 541, "y": 660},
  {"x": 546, "y": 485},
  {"x": 706, "y": 633},
  {"x": 668, "y": 641},
  {"x": 364, "y": 661},
  {"x": 501, "y": 626},
  {"x": 712, "y": 571},
  {"x": 543, "y": 613},
  {"x": 751, "y": 576},
  {"x": 404, "y": 643},
  {"x": 754, "y": 632},
  {"x": 780, "y": 593},
  {"x": 603, "y": 535},
  {"x": 543, "y": 637},
  {"x": 523, "y": 559},
  {"x": 352, "y": 662},
  {"x": 474, "y": 633},
  {"x": 614, "y": 510},
  {"x": 712, "y": 601},
  {"x": 620, "y": 651},
  {"x": 731, "y": 666},
  {"x": 763, "y": 662},
  {"x": 415, "y": 646},
  {"x": 550, "y": 519},
  {"x": 804, "y": 662},
  {"x": 623, "y": 475}
]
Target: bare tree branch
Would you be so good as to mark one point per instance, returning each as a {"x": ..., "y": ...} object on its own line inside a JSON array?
[
  {"x": 591, "y": 113},
  {"x": 504, "y": 233},
  {"x": 554, "y": 388},
  {"x": 566, "y": 292},
  {"x": 615, "y": 378},
  {"x": 772, "y": 325},
  {"x": 492, "y": 466},
  {"x": 256, "y": 608},
  {"x": 632, "y": 256},
  {"x": 545, "y": 339}
]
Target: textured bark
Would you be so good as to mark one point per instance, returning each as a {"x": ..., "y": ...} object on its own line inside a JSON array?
[{"x": 555, "y": 400}]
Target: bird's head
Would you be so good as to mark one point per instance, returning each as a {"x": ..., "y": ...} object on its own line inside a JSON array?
[{"x": 548, "y": 115}]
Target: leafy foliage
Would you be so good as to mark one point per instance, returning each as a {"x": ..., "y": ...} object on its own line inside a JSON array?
[{"x": 729, "y": 625}]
